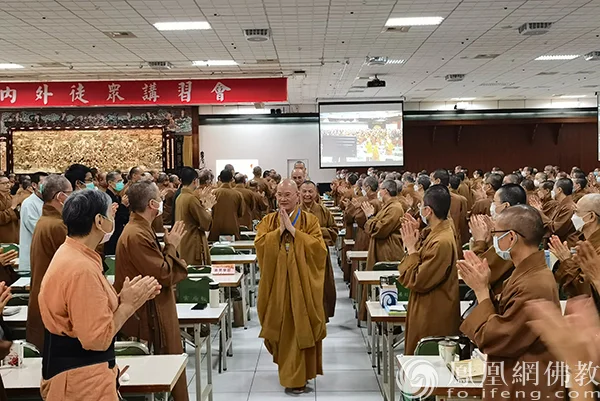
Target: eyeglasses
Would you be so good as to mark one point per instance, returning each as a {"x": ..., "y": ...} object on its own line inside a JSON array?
[{"x": 493, "y": 232}]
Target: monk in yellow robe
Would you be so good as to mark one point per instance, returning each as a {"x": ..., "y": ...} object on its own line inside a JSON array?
[
  {"x": 292, "y": 258},
  {"x": 310, "y": 194}
]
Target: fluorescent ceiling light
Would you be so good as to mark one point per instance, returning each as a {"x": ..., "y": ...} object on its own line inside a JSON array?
[
  {"x": 395, "y": 61},
  {"x": 10, "y": 66},
  {"x": 416, "y": 21},
  {"x": 463, "y": 99},
  {"x": 214, "y": 63},
  {"x": 551, "y": 57},
  {"x": 182, "y": 26},
  {"x": 572, "y": 96}
]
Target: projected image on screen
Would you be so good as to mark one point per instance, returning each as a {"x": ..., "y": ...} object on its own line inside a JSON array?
[{"x": 361, "y": 134}]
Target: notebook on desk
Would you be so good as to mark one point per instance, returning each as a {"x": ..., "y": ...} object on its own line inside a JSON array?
[
  {"x": 471, "y": 370},
  {"x": 396, "y": 310}
]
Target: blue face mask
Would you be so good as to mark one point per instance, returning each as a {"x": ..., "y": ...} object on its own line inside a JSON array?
[
  {"x": 119, "y": 186},
  {"x": 503, "y": 254},
  {"x": 90, "y": 185}
]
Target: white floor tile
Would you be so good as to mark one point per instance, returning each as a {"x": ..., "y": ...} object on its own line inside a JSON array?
[
  {"x": 229, "y": 397},
  {"x": 281, "y": 396},
  {"x": 247, "y": 345},
  {"x": 269, "y": 382},
  {"x": 265, "y": 362},
  {"x": 228, "y": 382},
  {"x": 243, "y": 362},
  {"x": 346, "y": 396},
  {"x": 334, "y": 361},
  {"x": 348, "y": 380},
  {"x": 344, "y": 344}
]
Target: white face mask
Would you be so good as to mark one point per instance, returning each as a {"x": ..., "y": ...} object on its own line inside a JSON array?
[
  {"x": 107, "y": 235},
  {"x": 416, "y": 188},
  {"x": 553, "y": 194},
  {"x": 503, "y": 254},
  {"x": 160, "y": 208},
  {"x": 536, "y": 183},
  {"x": 422, "y": 217},
  {"x": 598, "y": 180},
  {"x": 379, "y": 197},
  {"x": 493, "y": 210},
  {"x": 577, "y": 222},
  {"x": 364, "y": 192}
]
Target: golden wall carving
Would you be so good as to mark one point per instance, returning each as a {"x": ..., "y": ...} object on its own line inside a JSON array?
[{"x": 107, "y": 149}]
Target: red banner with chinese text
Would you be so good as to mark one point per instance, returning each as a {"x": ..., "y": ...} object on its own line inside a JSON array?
[{"x": 142, "y": 93}]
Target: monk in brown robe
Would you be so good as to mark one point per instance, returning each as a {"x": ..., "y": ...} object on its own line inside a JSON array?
[
  {"x": 8, "y": 275},
  {"x": 481, "y": 228},
  {"x": 429, "y": 271},
  {"x": 250, "y": 199},
  {"x": 308, "y": 195},
  {"x": 139, "y": 253},
  {"x": 355, "y": 211},
  {"x": 465, "y": 190},
  {"x": 560, "y": 223},
  {"x": 194, "y": 212},
  {"x": 383, "y": 228},
  {"x": 569, "y": 273},
  {"x": 228, "y": 210},
  {"x": 499, "y": 326},
  {"x": 491, "y": 184},
  {"x": 544, "y": 194},
  {"x": 458, "y": 204},
  {"x": 292, "y": 257},
  {"x": 260, "y": 200},
  {"x": 261, "y": 182},
  {"x": 49, "y": 234},
  {"x": 298, "y": 176},
  {"x": 9, "y": 214}
]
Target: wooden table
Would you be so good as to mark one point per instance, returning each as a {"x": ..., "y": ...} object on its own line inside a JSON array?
[
  {"x": 248, "y": 233},
  {"x": 445, "y": 384},
  {"x": 147, "y": 374},
  {"x": 357, "y": 261},
  {"x": 241, "y": 244},
  {"x": 240, "y": 259},
  {"x": 368, "y": 279},
  {"x": 194, "y": 319},
  {"x": 347, "y": 245}
]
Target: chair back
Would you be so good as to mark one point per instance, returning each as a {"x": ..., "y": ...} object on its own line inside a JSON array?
[
  {"x": 110, "y": 261},
  {"x": 194, "y": 290},
  {"x": 199, "y": 269},
  {"x": 244, "y": 228},
  {"x": 30, "y": 350},
  {"x": 245, "y": 237},
  {"x": 429, "y": 345},
  {"x": 21, "y": 299},
  {"x": 386, "y": 266},
  {"x": 130, "y": 348},
  {"x": 223, "y": 250}
]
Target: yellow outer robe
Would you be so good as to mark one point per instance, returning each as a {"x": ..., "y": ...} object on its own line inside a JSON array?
[{"x": 290, "y": 296}]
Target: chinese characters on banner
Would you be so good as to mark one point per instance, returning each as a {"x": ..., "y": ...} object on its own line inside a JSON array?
[{"x": 142, "y": 93}]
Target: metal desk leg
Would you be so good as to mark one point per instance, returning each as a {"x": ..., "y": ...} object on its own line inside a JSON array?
[
  {"x": 253, "y": 284},
  {"x": 358, "y": 301},
  {"x": 391, "y": 365},
  {"x": 208, "y": 364},
  {"x": 385, "y": 360},
  {"x": 230, "y": 323},
  {"x": 369, "y": 298},
  {"x": 374, "y": 351},
  {"x": 198, "y": 360},
  {"x": 245, "y": 308}
]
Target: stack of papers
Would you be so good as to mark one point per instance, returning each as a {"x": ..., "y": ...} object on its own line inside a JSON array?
[
  {"x": 472, "y": 370},
  {"x": 396, "y": 310}
]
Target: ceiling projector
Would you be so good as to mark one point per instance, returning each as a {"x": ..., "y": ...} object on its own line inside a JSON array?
[{"x": 376, "y": 83}]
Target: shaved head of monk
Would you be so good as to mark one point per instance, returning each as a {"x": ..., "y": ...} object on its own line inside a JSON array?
[
  {"x": 521, "y": 226},
  {"x": 287, "y": 195},
  {"x": 298, "y": 176}
]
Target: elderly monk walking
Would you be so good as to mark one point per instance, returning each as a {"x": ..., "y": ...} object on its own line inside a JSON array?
[
  {"x": 292, "y": 257},
  {"x": 309, "y": 194},
  {"x": 429, "y": 271},
  {"x": 383, "y": 228},
  {"x": 195, "y": 214},
  {"x": 49, "y": 234},
  {"x": 139, "y": 253},
  {"x": 499, "y": 326},
  {"x": 229, "y": 209},
  {"x": 9, "y": 214}
]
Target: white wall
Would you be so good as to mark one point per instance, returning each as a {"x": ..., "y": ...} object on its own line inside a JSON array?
[{"x": 271, "y": 144}]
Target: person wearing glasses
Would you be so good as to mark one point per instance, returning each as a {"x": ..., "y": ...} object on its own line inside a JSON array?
[{"x": 498, "y": 325}]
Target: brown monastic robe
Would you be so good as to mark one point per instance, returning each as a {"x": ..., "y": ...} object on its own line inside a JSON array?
[
  {"x": 290, "y": 296},
  {"x": 329, "y": 232},
  {"x": 500, "y": 330},
  {"x": 458, "y": 212},
  {"x": 139, "y": 253},
  {"x": 249, "y": 205},
  {"x": 385, "y": 244},
  {"x": 194, "y": 245},
  {"x": 560, "y": 223},
  {"x": 362, "y": 240},
  {"x": 167, "y": 215},
  {"x": 262, "y": 206},
  {"x": 549, "y": 206},
  {"x": 482, "y": 206},
  {"x": 570, "y": 276},
  {"x": 464, "y": 190},
  {"x": 49, "y": 234},
  {"x": 227, "y": 213},
  {"x": 579, "y": 194},
  {"x": 432, "y": 278},
  {"x": 500, "y": 269},
  {"x": 9, "y": 221}
]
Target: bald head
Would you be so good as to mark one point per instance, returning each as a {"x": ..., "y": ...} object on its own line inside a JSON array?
[
  {"x": 525, "y": 221},
  {"x": 298, "y": 176},
  {"x": 589, "y": 203},
  {"x": 287, "y": 195}
]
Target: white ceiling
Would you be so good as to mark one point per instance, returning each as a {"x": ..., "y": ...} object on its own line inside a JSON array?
[{"x": 329, "y": 39}]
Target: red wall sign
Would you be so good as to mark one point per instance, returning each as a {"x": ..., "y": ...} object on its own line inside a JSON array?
[{"x": 142, "y": 93}]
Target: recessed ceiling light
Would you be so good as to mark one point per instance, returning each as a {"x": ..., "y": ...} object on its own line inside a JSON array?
[
  {"x": 214, "y": 63},
  {"x": 572, "y": 96},
  {"x": 416, "y": 21},
  {"x": 463, "y": 99},
  {"x": 182, "y": 26},
  {"x": 10, "y": 66},
  {"x": 395, "y": 61},
  {"x": 551, "y": 57}
]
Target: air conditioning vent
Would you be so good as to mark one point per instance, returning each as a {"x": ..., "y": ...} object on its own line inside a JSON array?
[
  {"x": 120, "y": 35},
  {"x": 534, "y": 28},
  {"x": 396, "y": 29},
  {"x": 51, "y": 64},
  {"x": 485, "y": 56},
  {"x": 160, "y": 65},
  {"x": 267, "y": 61},
  {"x": 547, "y": 73},
  {"x": 496, "y": 84},
  {"x": 257, "y": 35},
  {"x": 455, "y": 77},
  {"x": 376, "y": 61},
  {"x": 592, "y": 56}
]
